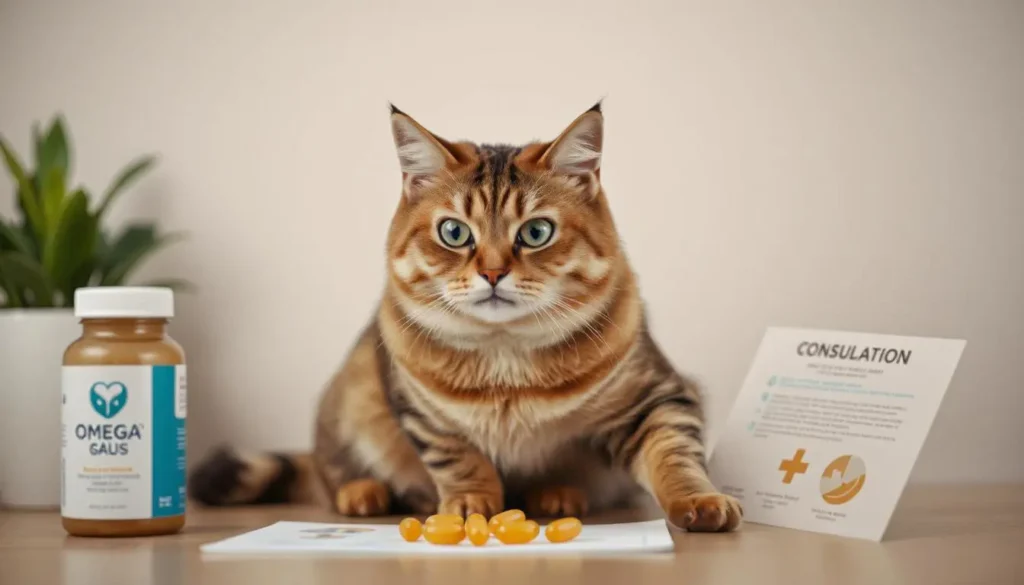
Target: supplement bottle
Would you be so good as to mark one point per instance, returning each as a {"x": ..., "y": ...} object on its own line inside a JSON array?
[{"x": 123, "y": 416}]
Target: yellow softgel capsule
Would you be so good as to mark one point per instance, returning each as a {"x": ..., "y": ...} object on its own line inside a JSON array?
[
  {"x": 444, "y": 519},
  {"x": 517, "y": 531},
  {"x": 410, "y": 529},
  {"x": 563, "y": 530},
  {"x": 477, "y": 530},
  {"x": 444, "y": 533},
  {"x": 506, "y": 516}
]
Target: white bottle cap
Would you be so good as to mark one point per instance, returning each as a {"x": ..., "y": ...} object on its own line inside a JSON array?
[{"x": 124, "y": 302}]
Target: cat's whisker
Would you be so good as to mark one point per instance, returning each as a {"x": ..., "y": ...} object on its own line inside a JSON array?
[
  {"x": 410, "y": 319},
  {"x": 529, "y": 298},
  {"x": 565, "y": 333},
  {"x": 602, "y": 315},
  {"x": 447, "y": 308},
  {"x": 580, "y": 320},
  {"x": 533, "y": 311}
]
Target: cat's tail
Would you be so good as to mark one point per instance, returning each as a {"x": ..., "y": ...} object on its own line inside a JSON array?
[{"x": 231, "y": 478}]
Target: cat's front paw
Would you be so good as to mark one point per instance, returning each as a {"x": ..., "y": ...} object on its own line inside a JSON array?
[
  {"x": 557, "y": 501},
  {"x": 710, "y": 512},
  {"x": 362, "y": 497},
  {"x": 471, "y": 503}
]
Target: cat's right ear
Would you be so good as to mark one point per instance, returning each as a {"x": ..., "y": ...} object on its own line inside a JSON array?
[{"x": 423, "y": 156}]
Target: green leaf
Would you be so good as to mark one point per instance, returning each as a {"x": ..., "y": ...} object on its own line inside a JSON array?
[
  {"x": 11, "y": 294},
  {"x": 117, "y": 249},
  {"x": 102, "y": 246},
  {"x": 89, "y": 271},
  {"x": 26, "y": 194},
  {"x": 25, "y": 274},
  {"x": 10, "y": 239},
  {"x": 52, "y": 151},
  {"x": 13, "y": 299},
  {"x": 29, "y": 236},
  {"x": 37, "y": 238},
  {"x": 14, "y": 239},
  {"x": 37, "y": 141},
  {"x": 53, "y": 194},
  {"x": 74, "y": 238},
  {"x": 134, "y": 244},
  {"x": 129, "y": 174},
  {"x": 82, "y": 277}
]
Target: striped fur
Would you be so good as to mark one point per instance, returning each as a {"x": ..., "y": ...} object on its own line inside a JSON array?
[{"x": 542, "y": 388}]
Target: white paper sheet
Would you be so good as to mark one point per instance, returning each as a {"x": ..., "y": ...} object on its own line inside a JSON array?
[
  {"x": 828, "y": 425},
  {"x": 379, "y": 539}
]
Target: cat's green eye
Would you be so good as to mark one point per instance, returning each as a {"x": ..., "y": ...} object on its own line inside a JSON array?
[
  {"x": 536, "y": 232},
  {"x": 454, "y": 233}
]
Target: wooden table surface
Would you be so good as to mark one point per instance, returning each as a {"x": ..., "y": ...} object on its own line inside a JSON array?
[{"x": 939, "y": 535}]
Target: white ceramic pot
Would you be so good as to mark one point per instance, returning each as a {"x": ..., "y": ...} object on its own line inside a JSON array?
[{"x": 32, "y": 344}]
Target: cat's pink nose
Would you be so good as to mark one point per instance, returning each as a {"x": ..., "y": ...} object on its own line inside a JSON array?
[{"x": 493, "y": 275}]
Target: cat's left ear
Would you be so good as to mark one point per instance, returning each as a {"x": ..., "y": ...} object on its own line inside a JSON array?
[
  {"x": 422, "y": 155},
  {"x": 577, "y": 151}
]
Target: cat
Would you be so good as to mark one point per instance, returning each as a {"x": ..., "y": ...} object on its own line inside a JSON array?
[{"x": 508, "y": 363}]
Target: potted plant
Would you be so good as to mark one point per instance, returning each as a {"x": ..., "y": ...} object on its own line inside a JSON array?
[{"x": 56, "y": 243}]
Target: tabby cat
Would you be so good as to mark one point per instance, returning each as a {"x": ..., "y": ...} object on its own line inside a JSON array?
[{"x": 508, "y": 364}]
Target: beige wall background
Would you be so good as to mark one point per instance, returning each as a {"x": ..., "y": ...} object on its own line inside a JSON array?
[{"x": 853, "y": 165}]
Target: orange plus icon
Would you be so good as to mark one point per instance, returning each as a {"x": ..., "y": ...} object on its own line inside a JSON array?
[{"x": 793, "y": 466}]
